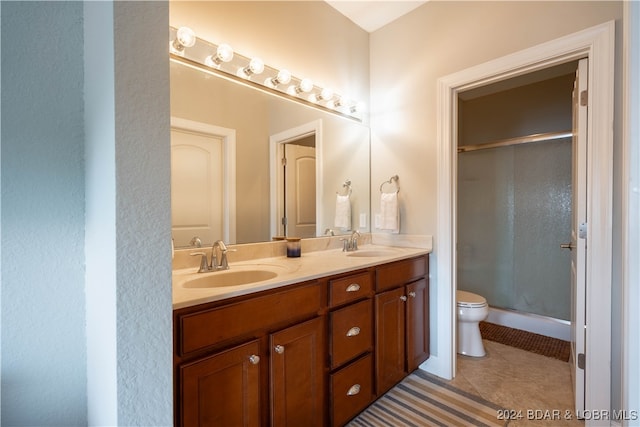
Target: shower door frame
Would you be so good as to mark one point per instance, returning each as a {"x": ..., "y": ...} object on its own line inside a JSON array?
[{"x": 598, "y": 45}]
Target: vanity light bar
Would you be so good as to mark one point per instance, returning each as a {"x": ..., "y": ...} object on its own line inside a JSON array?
[{"x": 222, "y": 59}]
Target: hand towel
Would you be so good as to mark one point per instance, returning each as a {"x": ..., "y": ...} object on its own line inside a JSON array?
[
  {"x": 343, "y": 212},
  {"x": 389, "y": 212}
]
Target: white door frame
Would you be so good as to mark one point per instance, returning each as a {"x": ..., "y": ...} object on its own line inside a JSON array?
[
  {"x": 228, "y": 137},
  {"x": 289, "y": 135},
  {"x": 596, "y": 43}
]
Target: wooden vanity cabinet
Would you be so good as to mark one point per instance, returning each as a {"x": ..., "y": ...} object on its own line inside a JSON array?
[
  {"x": 402, "y": 319},
  {"x": 315, "y": 353},
  {"x": 252, "y": 361}
]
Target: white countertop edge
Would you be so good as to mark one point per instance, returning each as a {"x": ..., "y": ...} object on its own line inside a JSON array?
[{"x": 309, "y": 266}]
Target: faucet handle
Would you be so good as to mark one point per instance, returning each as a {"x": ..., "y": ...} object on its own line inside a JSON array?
[
  {"x": 204, "y": 265},
  {"x": 345, "y": 244}
]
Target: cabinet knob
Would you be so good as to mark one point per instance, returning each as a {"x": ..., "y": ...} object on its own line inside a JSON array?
[
  {"x": 278, "y": 349},
  {"x": 403, "y": 298},
  {"x": 355, "y": 389},
  {"x": 412, "y": 294},
  {"x": 353, "y": 331},
  {"x": 254, "y": 359}
]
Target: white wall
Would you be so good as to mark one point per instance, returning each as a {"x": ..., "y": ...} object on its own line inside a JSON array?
[
  {"x": 94, "y": 349},
  {"x": 43, "y": 308}
]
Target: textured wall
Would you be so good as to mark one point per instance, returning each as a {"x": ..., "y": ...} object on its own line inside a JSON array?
[
  {"x": 43, "y": 307},
  {"x": 92, "y": 349}
]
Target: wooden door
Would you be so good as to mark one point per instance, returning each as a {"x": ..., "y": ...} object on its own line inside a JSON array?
[
  {"x": 417, "y": 323},
  {"x": 223, "y": 389},
  {"x": 578, "y": 244},
  {"x": 390, "y": 310},
  {"x": 297, "y": 375},
  {"x": 300, "y": 190}
]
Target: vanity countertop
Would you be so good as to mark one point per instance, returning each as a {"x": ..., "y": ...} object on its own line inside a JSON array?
[{"x": 311, "y": 265}]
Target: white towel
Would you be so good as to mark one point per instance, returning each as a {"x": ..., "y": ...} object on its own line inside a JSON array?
[
  {"x": 389, "y": 212},
  {"x": 343, "y": 212}
]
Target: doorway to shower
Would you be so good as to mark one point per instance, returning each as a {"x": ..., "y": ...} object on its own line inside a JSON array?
[{"x": 521, "y": 197}]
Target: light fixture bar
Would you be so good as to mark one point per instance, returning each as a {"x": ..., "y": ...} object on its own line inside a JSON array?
[{"x": 208, "y": 57}]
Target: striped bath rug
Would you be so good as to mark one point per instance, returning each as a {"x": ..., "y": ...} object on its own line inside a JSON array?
[{"x": 422, "y": 399}]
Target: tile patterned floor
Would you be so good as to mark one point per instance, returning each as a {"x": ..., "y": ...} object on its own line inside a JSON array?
[{"x": 532, "y": 386}]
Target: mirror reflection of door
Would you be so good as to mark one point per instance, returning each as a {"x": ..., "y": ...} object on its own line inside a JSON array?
[
  {"x": 202, "y": 181},
  {"x": 299, "y": 204}
]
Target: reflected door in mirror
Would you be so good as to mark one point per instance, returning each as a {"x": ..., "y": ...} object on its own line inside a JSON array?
[
  {"x": 196, "y": 187},
  {"x": 300, "y": 192}
]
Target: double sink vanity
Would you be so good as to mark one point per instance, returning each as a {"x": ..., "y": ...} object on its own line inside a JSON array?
[{"x": 310, "y": 341}]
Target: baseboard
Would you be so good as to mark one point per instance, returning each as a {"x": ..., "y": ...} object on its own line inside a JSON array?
[
  {"x": 435, "y": 366},
  {"x": 547, "y": 326}
]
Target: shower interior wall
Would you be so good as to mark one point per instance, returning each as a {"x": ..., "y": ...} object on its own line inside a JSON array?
[{"x": 514, "y": 202}]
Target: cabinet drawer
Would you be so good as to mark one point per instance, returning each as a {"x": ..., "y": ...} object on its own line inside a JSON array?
[
  {"x": 350, "y": 288},
  {"x": 351, "y": 330},
  {"x": 209, "y": 327},
  {"x": 400, "y": 272},
  {"x": 351, "y": 390}
]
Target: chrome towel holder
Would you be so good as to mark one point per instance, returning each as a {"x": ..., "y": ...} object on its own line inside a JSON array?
[
  {"x": 346, "y": 187},
  {"x": 391, "y": 181}
]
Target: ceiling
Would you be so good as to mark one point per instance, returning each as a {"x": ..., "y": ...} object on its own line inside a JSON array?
[{"x": 371, "y": 15}]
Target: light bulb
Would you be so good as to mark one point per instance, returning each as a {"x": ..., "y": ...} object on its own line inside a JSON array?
[
  {"x": 326, "y": 94},
  {"x": 306, "y": 85},
  {"x": 224, "y": 53},
  {"x": 185, "y": 37},
  {"x": 283, "y": 77},
  {"x": 256, "y": 66}
]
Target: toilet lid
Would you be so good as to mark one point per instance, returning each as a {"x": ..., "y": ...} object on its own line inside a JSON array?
[{"x": 468, "y": 299}]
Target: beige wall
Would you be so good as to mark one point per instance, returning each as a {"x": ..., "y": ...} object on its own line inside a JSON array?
[{"x": 440, "y": 38}]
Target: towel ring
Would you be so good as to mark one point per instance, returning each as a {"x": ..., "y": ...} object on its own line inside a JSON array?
[
  {"x": 347, "y": 185},
  {"x": 390, "y": 181}
]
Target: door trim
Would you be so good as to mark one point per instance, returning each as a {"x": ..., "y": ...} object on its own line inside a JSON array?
[
  {"x": 314, "y": 127},
  {"x": 228, "y": 170},
  {"x": 598, "y": 44}
]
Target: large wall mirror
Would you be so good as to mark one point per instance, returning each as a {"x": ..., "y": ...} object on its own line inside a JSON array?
[{"x": 222, "y": 128}]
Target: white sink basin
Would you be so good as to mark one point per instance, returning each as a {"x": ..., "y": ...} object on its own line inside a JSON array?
[
  {"x": 235, "y": 276},
  {"x": 370, "y": 253}
]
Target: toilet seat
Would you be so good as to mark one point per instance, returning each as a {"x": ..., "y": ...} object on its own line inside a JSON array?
[{"x": 470, "y": 300}]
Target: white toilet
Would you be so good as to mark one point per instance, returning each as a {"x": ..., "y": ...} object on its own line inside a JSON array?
[{"x": 472, "y": 309}]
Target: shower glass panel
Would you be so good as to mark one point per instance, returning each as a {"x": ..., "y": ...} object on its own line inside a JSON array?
[{"x": 514, "y": 211}]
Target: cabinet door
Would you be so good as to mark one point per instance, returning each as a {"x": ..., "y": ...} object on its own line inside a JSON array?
[
  {"x": 223, "y": 389},
  {"x": 390, "y": 339},
  {"x": 417, "y": 323},
  {"x": 297, "y": 375}
]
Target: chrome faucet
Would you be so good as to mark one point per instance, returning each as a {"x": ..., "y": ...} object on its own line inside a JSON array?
[
  {"x": 216, "y": 263},
  {"x": 196, "y": 242},
  {"x": 222, "y": 263},
  {"x": 350, "y": 244}
]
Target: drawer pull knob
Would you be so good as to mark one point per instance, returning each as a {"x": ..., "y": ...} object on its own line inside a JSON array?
[
  {"x": 403, "y": 298},
  {"x": 355, "y": 389},
  {"x": 279, "y": 349},
  {"x": 412, "y": 294},
  {"x": 353, "y": 331},
  {"x": 354, "y": 287},
  {"x": 254, "y": 359}
]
